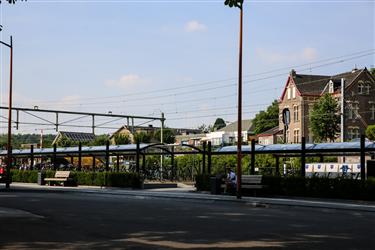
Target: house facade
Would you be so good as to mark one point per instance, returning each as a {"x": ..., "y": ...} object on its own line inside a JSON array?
[
  {"x": 228, "y": 134},
  {"x": 301, "y": 92},
  {"x": 271, "y": 136}
]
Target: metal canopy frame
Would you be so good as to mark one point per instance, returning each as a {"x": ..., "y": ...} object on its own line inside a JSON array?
[{"x": 57, "y": 122}]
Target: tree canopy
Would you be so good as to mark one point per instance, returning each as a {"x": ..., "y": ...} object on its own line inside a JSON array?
[
  {"x": 268, "y": 119},
  {"x": 219, "y": 123},
  {"x": 121, "y": 139},
  {"x": 370, "y": 132},
  {"x": 325, "y": 119},
  {"x": 169, "y": 135}
]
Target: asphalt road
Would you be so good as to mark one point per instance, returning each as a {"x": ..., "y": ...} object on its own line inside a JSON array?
[{"x": 49, "y": 220}]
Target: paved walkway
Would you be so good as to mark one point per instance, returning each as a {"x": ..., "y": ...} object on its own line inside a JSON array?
[{"x": 186, "y": 192}]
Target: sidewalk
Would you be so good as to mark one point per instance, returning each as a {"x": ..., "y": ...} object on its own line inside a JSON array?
[{"x": 185, "y": 192}]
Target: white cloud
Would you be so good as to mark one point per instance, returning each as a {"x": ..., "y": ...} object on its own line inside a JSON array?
[
  {"x": 195, "y": 26},
  {"x": 125, "y": 81},
  {"x": 268, "y": 56}
]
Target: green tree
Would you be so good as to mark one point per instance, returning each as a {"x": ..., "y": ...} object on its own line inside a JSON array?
[
  {"x": 169, "y": 135},
  {"x": 12, "y": 1},
  {"x": 121, "y": 139},
  {"x": 370, "y": 132},
  {"x": 234, "y": 3},
  {"x": 66, "y": 142},
  {"x": 142, "y": 137},
  {"x": 219, "y": 123},
  {"x": 325, "y": 119},
  {"x": 99, "y": 140},
  {"x": 268, "y": 119}
]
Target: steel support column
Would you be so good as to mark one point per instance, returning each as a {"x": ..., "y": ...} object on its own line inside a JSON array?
[
  {"x": 107, "y": 156},
  {"x": 209, "y": 156},
  {"x": 303, "y": 157},
  {"x": 363, "y": 158},
  {"x": 252, "y": 170},
  {"x": 204, "y": 158}
]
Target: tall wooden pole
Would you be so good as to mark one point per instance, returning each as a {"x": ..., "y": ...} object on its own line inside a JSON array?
[
  {"x": 239, "y": 120},
  {"x": 9, "y": 147}
]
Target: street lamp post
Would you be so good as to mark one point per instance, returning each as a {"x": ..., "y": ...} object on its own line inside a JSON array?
[
  {"x": 239, "y": 4},
  {"x": 9, "y": 143}
]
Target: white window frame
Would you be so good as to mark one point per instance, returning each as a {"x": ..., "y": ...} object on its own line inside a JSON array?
[
  {"x": 372, "y": 110},
  {"x": 360, "y": 87},
  {"x": 296, "y": 135},
  {"x": 288, "y": 93},
  {"x": 367, "y": 87},
  {"x": 294, "y": 92},
  {"x": 295, "y": 113}
]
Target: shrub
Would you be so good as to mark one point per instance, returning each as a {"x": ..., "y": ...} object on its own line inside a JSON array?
[{"x": 110, "y": 179}]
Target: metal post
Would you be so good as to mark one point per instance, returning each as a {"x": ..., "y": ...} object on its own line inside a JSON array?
[
  {"x": 342, "y": 109},
  {"x": 137, "y": 158},
  {"x": 161, "y": 141},
  {"x": 252, "y": 170},
  {"x": 9, "y": 145},
  {"x": 54, "y": 157},
  {"x": 209, "y": 157},
  {"x": 118, "y": 163},
  {"x": 32, "y": 157},
  {"x": 173, "y": 169},
  {"x": 79, "y": 156},
  {"x": 363, "y": 158},
  {"x": 107, "y": 156},
  {"x": 303, "y": 157},
  {"x": 144, "y": 164},
  {"x": 239, "y": 119},
  {"x": 204, "y": 158},
  {"x": 277, "y": 166},
  {"x": 93, "y": 124},
  {"x": 93, "y": 163}
]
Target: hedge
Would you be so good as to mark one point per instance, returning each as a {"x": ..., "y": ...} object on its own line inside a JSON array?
[
  {"x": 318, "y": 187},
  {"x": 110, "y": 179}
]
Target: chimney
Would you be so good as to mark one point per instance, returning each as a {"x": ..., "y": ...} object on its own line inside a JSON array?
[
  {"x": 293, "y": 73},
  {"x": 355, "y": 69}
]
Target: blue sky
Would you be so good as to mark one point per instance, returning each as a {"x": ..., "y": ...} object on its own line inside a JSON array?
[{"x": 179, "y": 57}]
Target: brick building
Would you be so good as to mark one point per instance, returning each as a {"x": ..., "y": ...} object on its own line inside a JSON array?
[{"x": 301, "y": 92}]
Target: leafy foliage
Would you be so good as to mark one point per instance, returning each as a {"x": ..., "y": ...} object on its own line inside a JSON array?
[
  {"x": 234, "y": 3},
  {"x": 370, "y": 132},
  {"x": 219, "y": 123},
  {"x": 121, "y": 139},
  {"x": 18, "y": 139},
  {"x": 325, "y": 119},
  {"x": 169, "y": 135},
  {"x": 99, "y": 140},
  {"x": 268, "y": 119},
  {"x": 66, "y": 142},
  {"x": 142, "y": 137}
]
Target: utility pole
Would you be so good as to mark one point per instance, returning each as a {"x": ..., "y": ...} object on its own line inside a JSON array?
[
  {"x": 239, "y": 4},
  {"x": 161, "y": 141},
  {"x": 9, "y": 142}
]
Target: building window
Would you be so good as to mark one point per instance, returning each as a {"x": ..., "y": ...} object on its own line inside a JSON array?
[
  {"x": 296, "y": 136},
  {"x": 288, "y": 93},
  {"x": 355, "y": 110},
  {"x": 295, "y": 113},
  {"x": 372, "y": 111},
  {"x": 353, "y": 133},
  {"x": 360, "y": 87},
  {"x": 294, "y": 92},
  {"x": 367, "y": 87}
]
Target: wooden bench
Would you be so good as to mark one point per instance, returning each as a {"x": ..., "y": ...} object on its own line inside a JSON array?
[
  {"x": 253, "y": 182},
  {"x": 61, "y": 177}
]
